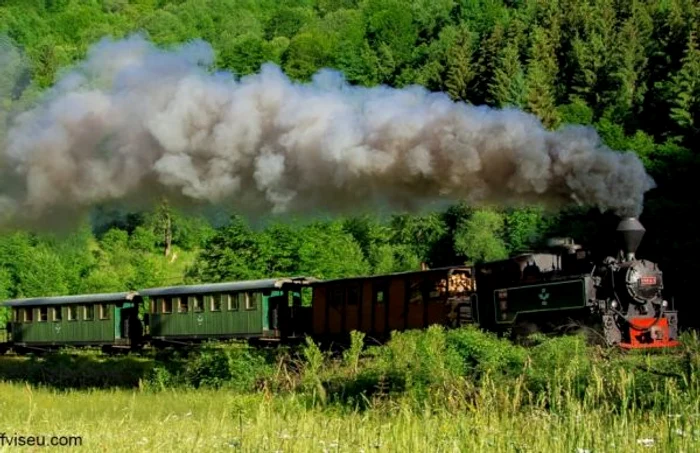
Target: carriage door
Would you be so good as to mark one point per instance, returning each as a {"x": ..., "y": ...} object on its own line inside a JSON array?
[
  {"x": 279, "y": 314},
  {"x": 122, "y": 320},
  {"x": 118, "y": 330}
]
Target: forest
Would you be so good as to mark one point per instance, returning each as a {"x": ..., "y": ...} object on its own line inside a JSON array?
[{"x": 630, "y": 69}]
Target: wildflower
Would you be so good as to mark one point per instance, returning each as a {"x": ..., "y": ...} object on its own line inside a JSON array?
[
  {"x": 680, "y": 432},
  {"x": 582, "y": 450},
  {"x": 646, "y": 442}
]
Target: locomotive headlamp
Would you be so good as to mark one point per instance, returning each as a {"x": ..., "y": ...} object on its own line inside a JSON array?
[
  {"x": 664, "y": 303},
  {"x": 614, "y": 304}
]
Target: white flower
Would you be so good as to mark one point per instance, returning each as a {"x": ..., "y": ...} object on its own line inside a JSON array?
[
  {"x": 582, "y": 450},
  {"x": 646, "y": 442}
]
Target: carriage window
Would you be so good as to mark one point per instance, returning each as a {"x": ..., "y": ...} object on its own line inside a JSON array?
[
  {"x": 104, "y": 311},
  {"x": 251, "y": 300},
  {"x": 167, "y": 305},
  {"x": 28, "y": 314},
  {"x": 56, "y": 314},
  {"x": 215, "y": 302},
  {"x": 43, "y": 314},
  {"x": 415, "y": 293},
  {"x": 232, "y": 302},
  {"x": 154, "y": 306},
  {"x": 88, "y": 312},
  {"x": 380, "y": 292},
  {"x": 195, "y": 302},
  {"x": 17, "y": 315},
  {"x": 72, "y": 313},
  {"x": 182, "y": 305}
]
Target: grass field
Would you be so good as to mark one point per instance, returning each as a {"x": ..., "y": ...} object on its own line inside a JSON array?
[
  {"x": 220, "y": 420},
  {"x": 471, "y": 393}
]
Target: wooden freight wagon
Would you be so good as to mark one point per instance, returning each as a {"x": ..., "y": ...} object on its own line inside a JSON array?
[
  {"x": 109, "y": 320},
  {"x": 377, "y": 305},
  {"x": 264, "y": 309}
]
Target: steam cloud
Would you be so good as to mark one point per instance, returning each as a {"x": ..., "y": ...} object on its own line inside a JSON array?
[{"x": 133, "y": 122}]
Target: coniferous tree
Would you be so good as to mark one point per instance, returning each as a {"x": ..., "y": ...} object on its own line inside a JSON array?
[
  {"x": 629, "y": 64},
  {"x": 487, "y": 61},
  {"x": 685, "y": 89},
  {"x": 508, "y": 85},
  {"x": 459, "y": 63},
  {"x": 591, "y": 50},
  {"x": 541, "y": 78}
]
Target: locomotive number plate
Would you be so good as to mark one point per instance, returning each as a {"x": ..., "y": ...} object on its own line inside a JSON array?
[{"x": 647, "y": 281}]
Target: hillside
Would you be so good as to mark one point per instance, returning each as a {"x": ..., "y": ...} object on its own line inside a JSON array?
[{"x": 629, "y": 69}]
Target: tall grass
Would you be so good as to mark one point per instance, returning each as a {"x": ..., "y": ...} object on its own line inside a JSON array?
[
  {"x": 436, "y": 390},
  {"x": 220, "y": 420}
]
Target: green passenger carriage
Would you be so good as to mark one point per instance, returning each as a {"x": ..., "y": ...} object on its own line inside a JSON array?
[
  {"x": 268, "y": 309},
  {"x": 108, "y": 320}
]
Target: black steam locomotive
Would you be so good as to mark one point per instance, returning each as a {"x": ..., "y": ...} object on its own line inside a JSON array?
[{"x": 620, "y": 298}]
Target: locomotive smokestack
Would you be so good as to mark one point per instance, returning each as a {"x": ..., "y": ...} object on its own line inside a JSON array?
[{"x": 630, "y": 232}]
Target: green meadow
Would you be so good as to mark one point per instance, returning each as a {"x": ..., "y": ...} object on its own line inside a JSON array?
[{"x": 436, "y": 391}]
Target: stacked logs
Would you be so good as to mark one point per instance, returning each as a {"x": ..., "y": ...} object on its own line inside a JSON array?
[{"x": 459, "y": 283}]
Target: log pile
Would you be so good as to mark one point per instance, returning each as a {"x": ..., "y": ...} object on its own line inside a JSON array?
[{"x": 459, "y": 283}]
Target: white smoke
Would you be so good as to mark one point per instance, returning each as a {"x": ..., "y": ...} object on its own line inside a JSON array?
[{"x": 133, "y": 122}]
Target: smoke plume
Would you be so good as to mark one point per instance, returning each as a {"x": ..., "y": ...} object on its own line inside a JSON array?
[{"x": 133, "y": 122}]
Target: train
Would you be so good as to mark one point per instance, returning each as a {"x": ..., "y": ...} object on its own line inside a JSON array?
[{"x": 561, "y": 288}]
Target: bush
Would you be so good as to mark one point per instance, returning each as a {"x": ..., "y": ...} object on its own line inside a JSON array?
[
  {"x": 234, "y": 367},
  {"x": 483, "y": 353}
]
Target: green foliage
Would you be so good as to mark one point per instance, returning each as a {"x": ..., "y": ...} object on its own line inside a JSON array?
[
  {"x": 685, "y": 89},
  {"x": 508, "y": 85},
  {"x": 459, "y": 66},
  {"x": 313, "y": 363},
  {"x": 541, "y": 78},
  {"x": 236, "y": 368},
  {"x": 479, "y": 238},
  {"x": 576, "y": 112},
  {"x": 352, "y": 355},
  {"x": 559, "y": 369},
  {"x": 329, "y": 252},
  {"x": 484, "y": 354},
  {"x": 231, "y": 366},
  {"x": 451, "y": 369}
]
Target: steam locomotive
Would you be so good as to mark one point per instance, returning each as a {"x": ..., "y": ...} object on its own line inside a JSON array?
[{"x": 620, "y": 299}]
